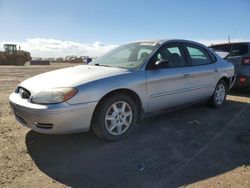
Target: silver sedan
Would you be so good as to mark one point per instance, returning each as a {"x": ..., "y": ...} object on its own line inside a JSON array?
[{"x": 113, "y": 92}]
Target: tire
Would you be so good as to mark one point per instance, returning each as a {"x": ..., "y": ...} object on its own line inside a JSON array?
[
  {"x": 219, "y": 95},
  {"x": 110, "y": 121}
]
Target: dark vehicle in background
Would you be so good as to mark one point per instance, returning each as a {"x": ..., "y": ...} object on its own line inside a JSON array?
[
  {"x": 239, "y": 55},
  {"x": 87, "y": 60}
]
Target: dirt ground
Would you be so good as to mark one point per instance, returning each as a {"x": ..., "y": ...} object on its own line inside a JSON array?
[{"x": 193, "y": 147}]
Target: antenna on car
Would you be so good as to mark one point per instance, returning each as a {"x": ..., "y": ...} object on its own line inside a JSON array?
[{"x": 231, "y": 47}]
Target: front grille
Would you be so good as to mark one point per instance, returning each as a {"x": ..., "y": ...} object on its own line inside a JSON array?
[{"x": 24, "y": 93}]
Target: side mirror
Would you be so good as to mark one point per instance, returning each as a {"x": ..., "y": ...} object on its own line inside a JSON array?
[{"x": 162, "y": 63}]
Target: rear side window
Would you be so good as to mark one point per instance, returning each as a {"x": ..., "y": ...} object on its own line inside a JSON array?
[
  {"x": 213, "y": 58},
  {"x": 198, "y": 56},
  {"x": 232, "y": 49}
]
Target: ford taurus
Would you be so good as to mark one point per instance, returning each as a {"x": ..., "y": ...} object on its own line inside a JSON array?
[{"x": 113, "y": 92}]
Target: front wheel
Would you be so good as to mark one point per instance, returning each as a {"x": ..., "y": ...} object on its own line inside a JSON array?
[
  {"x": 115, "y": 117},
  {"x": 219, "y": 94}
]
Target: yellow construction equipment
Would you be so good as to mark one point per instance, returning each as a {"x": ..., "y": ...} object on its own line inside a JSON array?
[{"x": 12, "y": 56}]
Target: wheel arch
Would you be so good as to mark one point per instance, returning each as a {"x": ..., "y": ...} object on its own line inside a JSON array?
[
  {"x": 226, "y": 80},
  {"x": 134, "y": 96}
]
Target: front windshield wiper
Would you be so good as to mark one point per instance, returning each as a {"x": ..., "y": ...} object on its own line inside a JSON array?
[{"x": 97, "y": 64}]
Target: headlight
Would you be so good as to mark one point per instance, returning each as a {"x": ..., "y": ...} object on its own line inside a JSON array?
[{"x": 55, "y": 95}]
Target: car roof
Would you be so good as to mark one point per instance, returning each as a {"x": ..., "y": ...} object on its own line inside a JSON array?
[
  {"x": 9, "y": 44},
  {"x": 163, "y": 41},
  {"x": 230, "y": 43}
]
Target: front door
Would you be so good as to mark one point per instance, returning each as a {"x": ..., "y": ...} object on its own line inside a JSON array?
[{"x": 166, "y": 84}]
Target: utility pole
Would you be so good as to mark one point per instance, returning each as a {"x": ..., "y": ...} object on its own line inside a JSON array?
[{"x": 229, "y": 39}]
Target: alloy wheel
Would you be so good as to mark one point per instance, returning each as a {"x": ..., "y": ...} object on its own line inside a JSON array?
[
  {"x": 118, "y": 118},
  {"x": 220, "y": 94}
]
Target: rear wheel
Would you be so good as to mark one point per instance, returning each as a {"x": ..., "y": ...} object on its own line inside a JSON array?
[
  {"x": 115, "y": 117},
  {"x": 219, "y": 94}
]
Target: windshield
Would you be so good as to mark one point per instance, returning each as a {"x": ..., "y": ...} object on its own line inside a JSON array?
[{"x": 128, "y": 56}]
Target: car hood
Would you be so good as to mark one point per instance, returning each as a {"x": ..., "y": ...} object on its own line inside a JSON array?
[{"x": 70, "y": 77}]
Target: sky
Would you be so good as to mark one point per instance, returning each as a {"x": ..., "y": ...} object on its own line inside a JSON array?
[{"x": 50, "y": 28}]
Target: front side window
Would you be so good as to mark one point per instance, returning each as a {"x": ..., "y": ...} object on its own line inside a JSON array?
[
  {"x": 198, "y": 56},
  {"x": 173, "y": 55},
  {"x": 129, "y": 56}
]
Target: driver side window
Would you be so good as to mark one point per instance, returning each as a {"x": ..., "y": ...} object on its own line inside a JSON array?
[{"x": 171, "y": 54}]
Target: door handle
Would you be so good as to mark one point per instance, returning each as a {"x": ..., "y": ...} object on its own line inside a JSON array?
[{"x": 186, "y": 75}]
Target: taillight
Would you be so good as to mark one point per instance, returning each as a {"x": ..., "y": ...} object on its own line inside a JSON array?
[
  {"x": 242, "y": 79},
  {"x": 246, "y": 61}
]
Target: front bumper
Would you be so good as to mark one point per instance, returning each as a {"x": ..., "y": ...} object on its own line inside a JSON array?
[{"x": 52, "y": 119}]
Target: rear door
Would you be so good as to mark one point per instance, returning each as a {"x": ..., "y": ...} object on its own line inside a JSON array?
[{"x": 202, "y": 72}]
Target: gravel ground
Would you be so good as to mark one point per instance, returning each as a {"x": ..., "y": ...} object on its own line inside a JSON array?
[{"x": 193, "y": 147}]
